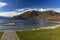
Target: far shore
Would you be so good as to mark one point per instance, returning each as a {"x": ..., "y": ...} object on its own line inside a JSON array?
[{"x": 54, "y": 21}]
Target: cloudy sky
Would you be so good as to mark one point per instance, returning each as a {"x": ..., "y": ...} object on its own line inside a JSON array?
[{"x": 13, "y": 5}]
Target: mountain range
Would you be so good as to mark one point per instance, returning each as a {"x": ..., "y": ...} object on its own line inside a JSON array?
[
  {"x": 48, "y": 15},
  {"x": 23, "y": 10},
  {"x": 30, "y": 14}
]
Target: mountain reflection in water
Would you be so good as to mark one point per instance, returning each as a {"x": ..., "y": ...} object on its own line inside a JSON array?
[{"x": 24, "y": 24}]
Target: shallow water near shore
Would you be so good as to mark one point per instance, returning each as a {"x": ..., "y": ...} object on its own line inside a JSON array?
[{"x": 24, "y": 24}]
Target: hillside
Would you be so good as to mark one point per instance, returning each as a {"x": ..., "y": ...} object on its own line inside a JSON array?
[{"x": 47, "y": 15}]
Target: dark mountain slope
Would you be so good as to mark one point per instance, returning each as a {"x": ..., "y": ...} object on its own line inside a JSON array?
[{"x": 47, "y": 15}]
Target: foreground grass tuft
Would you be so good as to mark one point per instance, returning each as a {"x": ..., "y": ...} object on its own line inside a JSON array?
[
  {"x": 1, "y": 33},
  {"x": 43, "y": 34}
]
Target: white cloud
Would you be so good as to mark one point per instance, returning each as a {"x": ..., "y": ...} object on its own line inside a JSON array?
[
  {"x": 39, "y": 9},
  {"x": 8, "y": 14},
  {"x": 13, "y": 13},
  {"x": 54, "y": 9},
  {"x": 2, "y": 4}
]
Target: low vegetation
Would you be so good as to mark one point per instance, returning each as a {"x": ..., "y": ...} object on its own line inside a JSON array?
[
  {"x": 43, "y": 34},
  {"x": 1, "y": 33}
]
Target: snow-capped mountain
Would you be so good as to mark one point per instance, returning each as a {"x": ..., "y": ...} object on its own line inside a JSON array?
[
  {"x": 37, "y": 9},
  {"x": 21, "y": 11},
  {"x": 34, "y": 14}
]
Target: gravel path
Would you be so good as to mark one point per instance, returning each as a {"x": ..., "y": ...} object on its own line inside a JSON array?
[{"x": 9, "y": 35}]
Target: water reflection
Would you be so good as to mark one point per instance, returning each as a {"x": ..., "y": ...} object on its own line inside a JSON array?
[{"x": 24, "y": 24}]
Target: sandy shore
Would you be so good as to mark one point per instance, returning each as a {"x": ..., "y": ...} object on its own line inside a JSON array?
[
  {"x": 50, "y": 27},
  {"x": 54, "y": 21}
]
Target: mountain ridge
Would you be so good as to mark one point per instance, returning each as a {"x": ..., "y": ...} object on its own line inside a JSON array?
[{"x": 33, "y": 14}]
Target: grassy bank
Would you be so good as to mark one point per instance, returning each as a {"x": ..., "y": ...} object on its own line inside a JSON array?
[
  {"x": 1, "y": 33},
  {"x": 43, "y": 34}
]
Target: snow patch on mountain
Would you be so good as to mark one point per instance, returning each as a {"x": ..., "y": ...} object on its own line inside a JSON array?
[{"x": 21, "y": 11}]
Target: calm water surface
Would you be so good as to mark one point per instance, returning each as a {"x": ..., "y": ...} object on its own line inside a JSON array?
[{"x": 24, "y": 24}]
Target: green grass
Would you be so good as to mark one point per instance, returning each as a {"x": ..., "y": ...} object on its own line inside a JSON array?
[
  {"x": 43, "y": 34},
  {"x": 1, "y": 33}
]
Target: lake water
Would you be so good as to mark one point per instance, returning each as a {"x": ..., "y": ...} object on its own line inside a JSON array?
[{"x": 24, "y": 24}]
